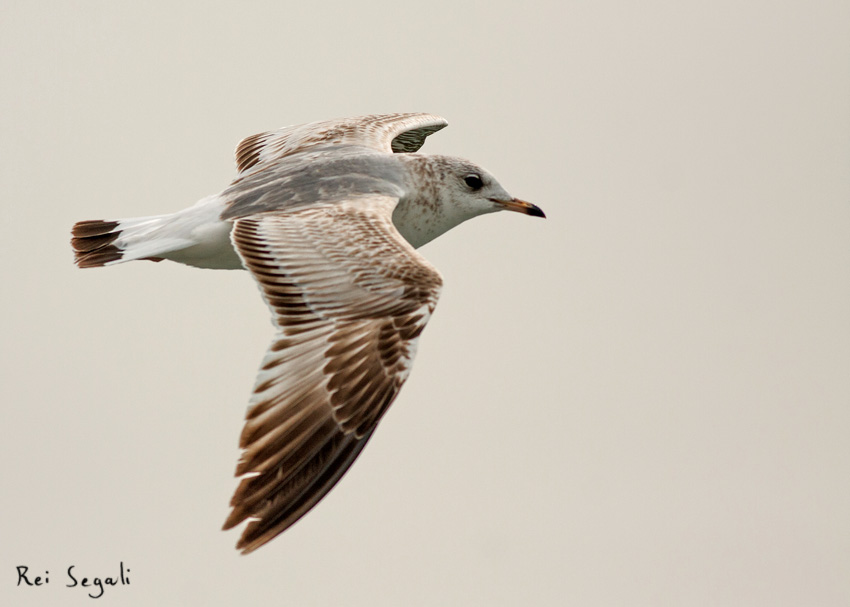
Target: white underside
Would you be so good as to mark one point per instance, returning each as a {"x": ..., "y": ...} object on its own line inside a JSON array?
[
  {"x": 198, "y": 237},
  {"x": 212, "y": 248}
]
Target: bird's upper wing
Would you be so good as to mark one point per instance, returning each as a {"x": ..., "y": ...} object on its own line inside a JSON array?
[
  {"x": 349, "y": 297},
  {"x": 382, "y": 132}
]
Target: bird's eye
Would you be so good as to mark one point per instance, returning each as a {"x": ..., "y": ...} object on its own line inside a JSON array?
[{"x": 474, "y": 181}]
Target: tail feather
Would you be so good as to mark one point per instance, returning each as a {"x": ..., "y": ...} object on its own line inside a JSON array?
[
  {"x": 93, "y": 243},
  {"x": 196, "y": 236},
  {"x": 99, "y": 243}
]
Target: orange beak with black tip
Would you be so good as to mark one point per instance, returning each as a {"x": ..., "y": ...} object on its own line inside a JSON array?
[{"x": 520, "y": 206}]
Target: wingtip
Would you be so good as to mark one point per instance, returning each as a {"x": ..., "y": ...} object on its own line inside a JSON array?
[{"x": 233, "y": 519}]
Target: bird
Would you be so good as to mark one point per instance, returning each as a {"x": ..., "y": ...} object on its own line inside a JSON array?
[{"x": 327, "y": 217}]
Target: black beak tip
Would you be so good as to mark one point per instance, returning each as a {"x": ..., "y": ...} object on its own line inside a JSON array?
[{"x": 536, "y": 211}]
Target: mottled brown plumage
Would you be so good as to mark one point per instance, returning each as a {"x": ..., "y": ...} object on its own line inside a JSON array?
[
  {"x": 399, "y": 133},
  {"x": 347, "y": 332},
  {"x": 327, "y": 217}
]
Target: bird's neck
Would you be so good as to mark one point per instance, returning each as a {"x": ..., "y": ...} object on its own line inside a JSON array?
[{"x": 426, "y": 211}]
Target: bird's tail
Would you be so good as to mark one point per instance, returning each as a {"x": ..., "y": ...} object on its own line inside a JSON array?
[{"x": 104, "y": 243}]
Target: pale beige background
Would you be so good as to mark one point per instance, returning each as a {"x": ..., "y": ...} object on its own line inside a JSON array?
[{"x": 644, "y": 400}]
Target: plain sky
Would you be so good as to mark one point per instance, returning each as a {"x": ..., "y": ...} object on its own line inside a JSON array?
[{"x": 643, "y": 400}]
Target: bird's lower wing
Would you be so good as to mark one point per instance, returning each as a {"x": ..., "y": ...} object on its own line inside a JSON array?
[{"x": 349, "y": 297}]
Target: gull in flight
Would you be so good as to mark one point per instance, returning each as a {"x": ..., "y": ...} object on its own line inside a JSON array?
[{"x": 327, "y": 218}]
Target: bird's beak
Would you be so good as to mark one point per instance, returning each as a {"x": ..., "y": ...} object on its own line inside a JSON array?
[{"x": 520, "y": 206}]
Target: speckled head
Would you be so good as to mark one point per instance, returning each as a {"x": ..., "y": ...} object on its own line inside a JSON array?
[{"x": 443, "y": 192}]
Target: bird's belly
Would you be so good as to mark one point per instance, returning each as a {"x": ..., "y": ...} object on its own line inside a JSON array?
[{"x": 213, "y": 249}]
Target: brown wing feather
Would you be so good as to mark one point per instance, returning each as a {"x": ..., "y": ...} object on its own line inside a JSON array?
[
  {"x": 349, "y": 297},
  {"x": 383, "y": 132}
]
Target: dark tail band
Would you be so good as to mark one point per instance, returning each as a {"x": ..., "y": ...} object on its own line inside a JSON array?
[{"x": 93, "y": 243}]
